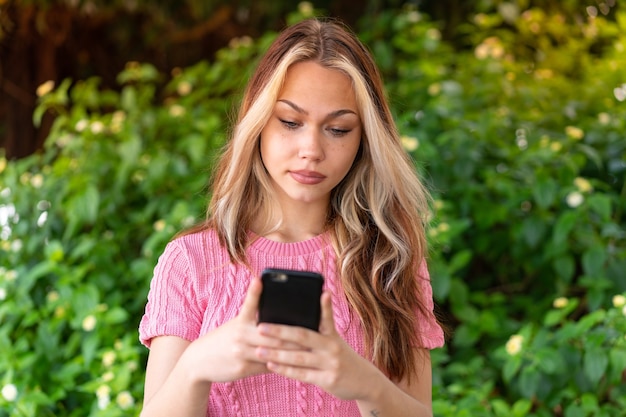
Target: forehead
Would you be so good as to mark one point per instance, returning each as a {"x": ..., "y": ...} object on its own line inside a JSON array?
[{"x": 310, "y": 82}]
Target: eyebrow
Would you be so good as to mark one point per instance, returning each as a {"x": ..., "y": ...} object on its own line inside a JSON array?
[{"x": 299, "y": 109}]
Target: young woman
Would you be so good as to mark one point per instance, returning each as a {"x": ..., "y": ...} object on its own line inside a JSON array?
[{"x": 313, "y": 178}]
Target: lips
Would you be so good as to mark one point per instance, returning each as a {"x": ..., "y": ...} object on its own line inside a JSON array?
[{"x": 307, "y": 177}]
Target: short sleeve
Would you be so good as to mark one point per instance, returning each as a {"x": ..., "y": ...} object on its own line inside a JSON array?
[
  {"x": 172, "y": 307},
  {"x": 431, "y": 333}
]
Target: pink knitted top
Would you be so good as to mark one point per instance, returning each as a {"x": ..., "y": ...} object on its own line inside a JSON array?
[{"x": 196, "y": 288}]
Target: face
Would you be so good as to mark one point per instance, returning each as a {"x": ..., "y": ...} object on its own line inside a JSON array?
[{"x": 313, "y": 135}]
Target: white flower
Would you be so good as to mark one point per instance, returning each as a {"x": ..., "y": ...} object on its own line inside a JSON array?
[
  {"x": 81, "y": 125},
  {"x": 306, "y": 8},
  {"x": 574, "y": 132},
  {"x": 583, "y": 184},
  {"x": 45, "y": 88},
  {"x": 410, "y": 143},
  {"x": 3, "y": 294},
  {"x": 619, "y": 301},
  {"x": 556, "y": 146},
  {"x": 9, "y": 392},
  {"x": 103, "y": 395},
  {"x": 108, "y": 358},
  {"x": 96, "y": 127},
  {"x": 159, "y": 225},
  {"x": 604, "y": 118},
  {"x": 36, "y": 181},
  {"x": 89, "y": 323},
  {"x": 184, "y": 88},
  {"x": 103, "y": 390},
  {"x": 53, "y": 296},
  {"x": 514, "y": 344},
  {"x": 560, "y": 302},
  {"x": 574, "y": 199},
  {"x": 10, "y": 275},
  {"x": 434, "y": 89},
  {"x": 16, "y": 246},
  {"x": 125, "y": 400},
  {"x": 176, "y": 110},
  {"x": 433, "y": 34}
]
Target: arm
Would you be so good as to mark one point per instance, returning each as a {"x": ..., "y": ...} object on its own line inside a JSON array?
[
  {"x": 172, "y": 387},
  {"x": 179, "y": 373},
  {"x": 388, "y": 399}
]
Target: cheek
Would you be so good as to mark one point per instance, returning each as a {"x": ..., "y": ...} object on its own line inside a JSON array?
[{"x": 266, "y": 148}]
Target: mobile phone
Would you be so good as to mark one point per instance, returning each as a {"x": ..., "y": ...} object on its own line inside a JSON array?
[{"x": 291, "y": 297}]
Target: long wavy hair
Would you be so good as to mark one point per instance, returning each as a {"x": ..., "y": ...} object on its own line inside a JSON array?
[{"x": 376, "y": 214}]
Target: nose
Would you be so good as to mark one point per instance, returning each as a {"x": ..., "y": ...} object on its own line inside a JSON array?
[{"x": 311, "y": 145}]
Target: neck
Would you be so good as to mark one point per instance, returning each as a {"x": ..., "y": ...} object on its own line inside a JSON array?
[{"x": 299, "y": 222}]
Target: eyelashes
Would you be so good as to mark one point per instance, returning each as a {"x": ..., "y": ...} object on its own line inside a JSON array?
[{"x": 335, "y": 132}]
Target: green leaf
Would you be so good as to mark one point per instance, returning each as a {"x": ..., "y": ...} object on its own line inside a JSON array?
[
  {"x": 533, "y": 230},
  {"x": 590, "y": 320},
  {"x": 83, "y": 208},
  {"x": 551, "y": 362},
  {"x": 574, "y": 410},
  {"x": 89, "y": 346},
  {"x": 545, "y": 191},
  {"x": 564, "y": 226},
  {"x": 589, "y": 403},
  {"x": 593, "y": 261},
  {"x": 459, "y": 260},
  {"x": 529, "y": 382},
  {"x": 592, "y": 154},
  {"x": 595, "y": 362},
  {"x": 601, "y": 204},
  {"x": 521, "y": 408},
  {"x": 116, "y": 315},
  {"x": 500, "y": 408},
  {"x": 617, "y": 359},
  {"x": 565, "y": 267},
  {"x": 558, "y": 315},
  {"x": 511, "y": 366}
]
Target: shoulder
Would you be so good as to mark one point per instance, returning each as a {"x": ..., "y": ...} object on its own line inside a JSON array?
[
  {"x": 198, "y": 241},
  {"x": 198, "y": 248}
]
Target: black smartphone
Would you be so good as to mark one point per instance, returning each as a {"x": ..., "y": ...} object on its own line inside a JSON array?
[{"x": 291, "y": 297}]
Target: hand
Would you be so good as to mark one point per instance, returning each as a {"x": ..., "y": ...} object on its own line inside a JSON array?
[
  {"x": 228, "y": 353},
  {"x": 326, "y": 360}
]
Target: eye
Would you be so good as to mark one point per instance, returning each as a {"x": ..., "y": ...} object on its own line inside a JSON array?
[
  {"x": 289, "y": 124},
  {"x": 338, "y": 132}
]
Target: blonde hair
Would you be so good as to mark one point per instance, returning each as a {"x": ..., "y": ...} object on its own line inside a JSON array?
[{"x": 376, "y": 214}]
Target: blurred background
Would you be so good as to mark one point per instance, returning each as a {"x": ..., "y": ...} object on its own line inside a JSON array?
[{"x": 112, "y": 112}]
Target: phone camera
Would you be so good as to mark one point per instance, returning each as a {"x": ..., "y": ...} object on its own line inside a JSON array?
[{"x": 280, "y": 277}]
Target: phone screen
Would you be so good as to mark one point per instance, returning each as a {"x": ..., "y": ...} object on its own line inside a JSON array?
[{"x": 291, "y": 297}]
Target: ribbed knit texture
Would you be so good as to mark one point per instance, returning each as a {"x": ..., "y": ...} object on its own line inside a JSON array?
[{"x": 195, "y": 289}]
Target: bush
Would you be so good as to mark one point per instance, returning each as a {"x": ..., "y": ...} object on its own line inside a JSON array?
[
  {"x": 519, "y": 138},
  {"x": 121, "y": 173}
]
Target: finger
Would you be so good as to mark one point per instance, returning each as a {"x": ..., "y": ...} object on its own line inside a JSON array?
[
  {"x": 285, "y": 334},
  {"x": 327, "y": 321},
  {"x": 273, "y": 340},
  {"x": 251, "y": 302},
  {"x": 296, "y": 358}
]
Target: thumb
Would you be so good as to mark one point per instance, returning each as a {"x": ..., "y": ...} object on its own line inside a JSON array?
[
  {"x": 251, "y": 302},
  {"x": 327, "y": 321}
]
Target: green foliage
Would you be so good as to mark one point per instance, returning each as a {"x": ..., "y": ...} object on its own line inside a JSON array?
[
  {"x": 85, "y": 220},
  {"x": 524, "y": 152}
]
